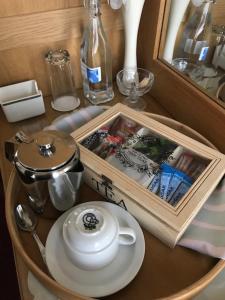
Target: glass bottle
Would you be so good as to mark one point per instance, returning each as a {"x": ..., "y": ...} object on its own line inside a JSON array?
[
  {"x": 196, "y": 34},
  {"x": 96, "y": 62}
]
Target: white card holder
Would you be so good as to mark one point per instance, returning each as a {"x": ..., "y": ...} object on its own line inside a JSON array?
[{"x": 21, "y": 101}]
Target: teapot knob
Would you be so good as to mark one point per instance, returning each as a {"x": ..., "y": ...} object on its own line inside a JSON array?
[{"x": 46, "y": 145}]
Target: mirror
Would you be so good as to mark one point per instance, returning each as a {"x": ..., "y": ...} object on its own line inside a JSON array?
[{"x": 194, "y": 44}]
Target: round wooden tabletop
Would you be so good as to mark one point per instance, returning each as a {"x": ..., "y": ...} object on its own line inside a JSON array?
[{"x": 178, "y": 273}]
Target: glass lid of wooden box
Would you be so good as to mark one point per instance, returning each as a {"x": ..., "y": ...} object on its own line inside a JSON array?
[
  {"x": 162, "y": 176},
  {"x": 159, "y": 164}
]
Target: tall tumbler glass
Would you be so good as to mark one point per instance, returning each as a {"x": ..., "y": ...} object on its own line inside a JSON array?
[{"x": 61, "y": 80}]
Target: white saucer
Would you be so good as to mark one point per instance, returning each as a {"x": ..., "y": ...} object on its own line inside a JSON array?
[{"x": 107, "y": 280}]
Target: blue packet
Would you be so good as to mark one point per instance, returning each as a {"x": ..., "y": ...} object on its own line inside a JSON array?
[
  {"x": 180, "y": 192},
  {"x": 154, "y": 185},
  {"x": 175, "y": 181},
  {"x": 166, "y": 175}
]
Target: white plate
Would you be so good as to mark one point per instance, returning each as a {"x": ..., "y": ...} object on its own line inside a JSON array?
[{"x": 107, "y": 280}]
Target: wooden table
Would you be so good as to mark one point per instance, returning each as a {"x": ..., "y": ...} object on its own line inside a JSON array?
[{"x": 206, "y": 263}]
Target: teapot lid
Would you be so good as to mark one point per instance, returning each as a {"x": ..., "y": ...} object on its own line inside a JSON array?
[{"x": 46, "y": 150}]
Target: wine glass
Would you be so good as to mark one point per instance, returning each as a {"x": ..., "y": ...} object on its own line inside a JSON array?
[{"x": 134, "y": 83}]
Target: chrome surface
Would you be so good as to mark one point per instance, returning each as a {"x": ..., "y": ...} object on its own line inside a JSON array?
[
  {"x": 48, "y": 151},
  {"x": 49, "y": 168}
]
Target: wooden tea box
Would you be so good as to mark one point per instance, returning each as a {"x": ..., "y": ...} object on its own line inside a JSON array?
[{"x": 159, "y": 175}]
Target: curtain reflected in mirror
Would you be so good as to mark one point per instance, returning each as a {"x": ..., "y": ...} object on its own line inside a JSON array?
[{"x": 195, "y": 43}]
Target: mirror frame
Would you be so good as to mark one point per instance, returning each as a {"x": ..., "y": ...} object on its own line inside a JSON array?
[{"x": 183, "y": 101}]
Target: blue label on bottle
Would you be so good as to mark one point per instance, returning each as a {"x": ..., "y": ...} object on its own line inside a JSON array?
[
  {"x": 94, "y": 75},
  {"x": 203, "y": 53}
]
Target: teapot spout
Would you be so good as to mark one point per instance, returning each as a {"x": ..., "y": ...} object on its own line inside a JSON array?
[
  {"x": 10, "y": 150},
  {"x": 11, "y": 144}
]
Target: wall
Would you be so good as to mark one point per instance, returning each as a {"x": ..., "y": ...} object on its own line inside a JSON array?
[{"x": 29, "y": 28}]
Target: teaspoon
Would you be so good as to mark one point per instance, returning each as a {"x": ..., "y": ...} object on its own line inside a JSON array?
[{"x": 27, "y": 221}]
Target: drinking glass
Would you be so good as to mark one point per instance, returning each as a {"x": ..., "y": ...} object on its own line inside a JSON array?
[
  {"x": 134, "y": 83},
  {"x": 61, "y": 80}
]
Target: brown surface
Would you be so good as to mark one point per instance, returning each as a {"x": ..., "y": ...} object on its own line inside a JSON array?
[
  {"x": 37, "y": 123},
  {"x": 179, "y": 98},
  {"x": 29, "y": 29},
  {"x": 14, "y": 7},
  {"x": 164, "y": 272}
]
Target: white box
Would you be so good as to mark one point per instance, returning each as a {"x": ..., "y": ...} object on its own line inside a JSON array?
[{"x": 21, "y": 101}]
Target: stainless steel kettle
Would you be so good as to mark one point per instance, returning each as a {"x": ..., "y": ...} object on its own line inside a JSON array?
[{"x": 49, "y": 167}]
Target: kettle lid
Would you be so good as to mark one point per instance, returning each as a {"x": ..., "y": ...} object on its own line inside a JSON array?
[{"x": 47, "y": 150}]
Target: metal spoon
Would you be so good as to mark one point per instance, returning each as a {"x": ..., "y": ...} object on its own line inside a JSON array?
[{"x": 27, "y": 221}]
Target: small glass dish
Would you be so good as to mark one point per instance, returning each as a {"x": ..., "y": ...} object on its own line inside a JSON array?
[
  {"x": 195, "y": 72},
  {"x": 134, "y": 83}
]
